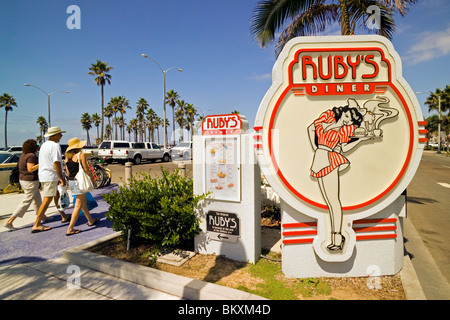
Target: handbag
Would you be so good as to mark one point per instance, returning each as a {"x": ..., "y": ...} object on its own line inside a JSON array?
[
  {"x": 84, "y": 181},
  {"x": 63, "y": 198},
  {"x": 91, "y": 202}
]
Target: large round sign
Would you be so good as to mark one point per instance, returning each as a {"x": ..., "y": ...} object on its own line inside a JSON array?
[{"x": 339, "y": 131}]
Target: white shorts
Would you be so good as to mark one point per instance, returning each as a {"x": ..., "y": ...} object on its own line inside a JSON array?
[{"x": 50, "y": 189}]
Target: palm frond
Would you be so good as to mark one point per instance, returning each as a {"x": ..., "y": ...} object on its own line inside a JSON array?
[
  {"x": 270, "y": 15},
  {"x": 312, "y": 21}
]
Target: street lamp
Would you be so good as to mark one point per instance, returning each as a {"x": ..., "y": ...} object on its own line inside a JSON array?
[
  {"x": 164, "y": 93},
  {"x": 439, "y": 123},
  {"x": 48, "y": 98}
]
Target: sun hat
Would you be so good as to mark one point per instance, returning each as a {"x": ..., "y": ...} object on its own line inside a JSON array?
[
  {"x": 52, "y": 131},
  {"x": 75, "y": 143}
]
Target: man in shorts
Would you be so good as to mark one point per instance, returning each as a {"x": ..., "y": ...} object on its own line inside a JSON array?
[{"x": 50, "y": 175}]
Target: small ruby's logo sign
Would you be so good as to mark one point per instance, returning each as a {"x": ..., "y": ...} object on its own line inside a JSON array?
[
  {"x": 222, "y": 124},
  {"x": 338, "y": 136}
]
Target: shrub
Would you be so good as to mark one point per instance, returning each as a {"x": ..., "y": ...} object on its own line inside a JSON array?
[{"x": 160, "y": 210}]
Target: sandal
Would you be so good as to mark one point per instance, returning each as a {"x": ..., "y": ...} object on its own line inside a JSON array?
[
  {"x": 75, "y": 231},
  {"x": 41, "y": 229},
  {"x": 94, "y": 223},
  {"x": 68, "y": 216}
]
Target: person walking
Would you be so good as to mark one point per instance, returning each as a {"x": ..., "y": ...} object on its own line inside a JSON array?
[
  {"x": 73, "y": 158},
  {"x": 28, "y": 178},
  {"x": 50, "y": 175}
]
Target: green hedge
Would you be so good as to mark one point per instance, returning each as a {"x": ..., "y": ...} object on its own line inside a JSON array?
[{"x": 160, "y": 210}]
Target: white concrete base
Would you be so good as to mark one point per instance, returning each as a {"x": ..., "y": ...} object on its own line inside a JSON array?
[{"x": 374, "y": 257}]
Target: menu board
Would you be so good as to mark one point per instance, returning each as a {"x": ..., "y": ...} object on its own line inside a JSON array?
[{"x": 222, "y": 167}]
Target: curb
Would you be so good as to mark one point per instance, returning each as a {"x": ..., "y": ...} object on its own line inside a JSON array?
[
  {"x": 411, "y": 285},
  {"x": 180, "y": 286}
]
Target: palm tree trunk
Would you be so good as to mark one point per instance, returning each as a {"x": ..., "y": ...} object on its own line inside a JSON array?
[
  {"x": 103, "y": 114},
  {"x": 345, "y": 21},
  {"x": 6, "y": 130},
  {"x": 173, "y": 121}
]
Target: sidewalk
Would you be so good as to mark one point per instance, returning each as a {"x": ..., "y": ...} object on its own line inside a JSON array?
[{"x": 33, "y": 267}]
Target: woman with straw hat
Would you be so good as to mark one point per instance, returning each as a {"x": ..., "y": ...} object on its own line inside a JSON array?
[{"x": 73, "y": 158}]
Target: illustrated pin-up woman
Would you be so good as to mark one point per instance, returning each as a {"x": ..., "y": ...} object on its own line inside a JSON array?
[{"x": 331, "y": 135}]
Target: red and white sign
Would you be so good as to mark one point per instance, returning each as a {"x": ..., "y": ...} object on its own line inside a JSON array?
[
  {"x": 223, "y": 124},
  {"x": 338, "y": 133}
]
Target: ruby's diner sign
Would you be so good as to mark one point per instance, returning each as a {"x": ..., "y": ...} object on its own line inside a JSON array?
[{"x": 339, "y": 132}]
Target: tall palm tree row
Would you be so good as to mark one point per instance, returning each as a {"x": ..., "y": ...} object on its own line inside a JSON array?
[
  {"x": 310, "y": 17},
  {"x": 8, "y": 102}
]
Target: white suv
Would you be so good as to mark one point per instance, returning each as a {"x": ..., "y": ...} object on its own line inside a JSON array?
[{"x": 182, "y": 151}]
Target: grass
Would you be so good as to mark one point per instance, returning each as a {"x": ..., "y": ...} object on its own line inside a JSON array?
[{"x": 276, "y": 287}]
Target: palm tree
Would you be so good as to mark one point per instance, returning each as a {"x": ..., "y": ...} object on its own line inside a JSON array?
[
  {"x": 180, "y": 116},
  {"x": 172, "y": 98},
  {"x": 108, "y": 132},
  {"x": 134, "y": 127},
  {"x": 433, "y": 100},
  {"x": 109, "y": 113},
  {"x": 86, "y": 124},
  {"x": 309, "y": 17},
  {"x": 190, "y": 112},
  {"x": 100, "y": 69},
  {"x": 7, "y": 102},
  {"x": 122, "y": 105},
  {"x": 113, "y": 108},
  {"x": 151, "y": 123},
  {"x": 440, "y": 101},
  {"x": 43, "y": 126},
  {"x": 96, "y": 120},
  {"x": 141, "y": 109},
  {"x": 158, "y": 121}
]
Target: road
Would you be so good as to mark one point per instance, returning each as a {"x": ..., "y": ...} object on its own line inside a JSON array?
[{"x": 428, "y": 209}]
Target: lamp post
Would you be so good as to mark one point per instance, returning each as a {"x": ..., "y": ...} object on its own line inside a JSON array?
[
  {"x": 164, "y": 93},
  {"x": 439, "y": 123},
  {"x": 48, "y": 98}
]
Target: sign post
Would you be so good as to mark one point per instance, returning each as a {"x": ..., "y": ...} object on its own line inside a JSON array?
[
  {"x": 223, "y": 160},
  {"x": 339, "y": 138}
]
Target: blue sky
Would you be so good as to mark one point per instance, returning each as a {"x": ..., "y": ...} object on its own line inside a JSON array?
[{"x": 223, "y": 67}]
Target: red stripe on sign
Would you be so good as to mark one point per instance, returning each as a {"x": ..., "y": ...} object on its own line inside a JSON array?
[
  {"x": 299, "y": 233},
  {"x": 300, "y": 225},
  {"x": 294, "y": 241},
  {"x": 422, "y": 123},
  {"x": 377, "y": 237},
  {"x": 388, "y": 220},
  {"x": 366, "y": 229}
]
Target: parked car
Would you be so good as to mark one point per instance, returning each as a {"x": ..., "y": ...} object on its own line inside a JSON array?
[
  {"x": 90, "y": 151},
  {"x": 9, "y": 157},
  {"x": 13, "y": 149},
  {"x": 182, "y": 151},
  {"x": 105, "y": 150},
  {"x": 122, "y": 151}
]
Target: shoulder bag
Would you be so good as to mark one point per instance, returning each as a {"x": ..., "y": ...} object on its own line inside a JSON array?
[{"x": 84, "y": 181}]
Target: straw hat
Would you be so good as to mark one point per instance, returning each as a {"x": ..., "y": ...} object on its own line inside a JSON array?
[
  {"x": 52, "y": 131},
  {"x": 75, "y": 143}
]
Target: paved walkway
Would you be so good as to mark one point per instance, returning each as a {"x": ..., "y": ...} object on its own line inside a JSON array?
[{"x": 31, "y": 266}]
